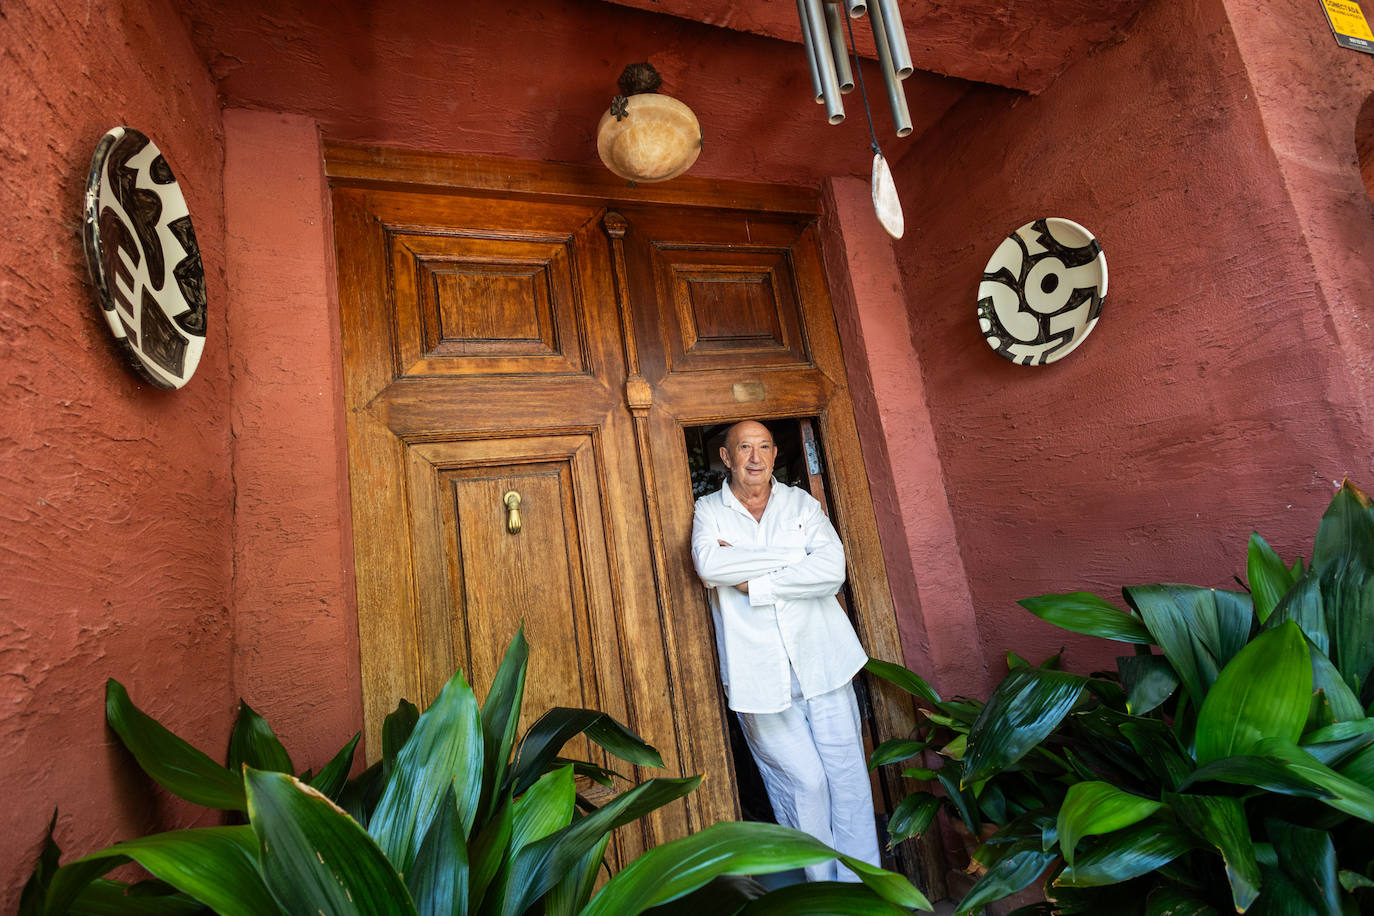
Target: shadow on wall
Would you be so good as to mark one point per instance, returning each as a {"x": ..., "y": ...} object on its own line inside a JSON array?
[{"x": 1364, "y": 143}]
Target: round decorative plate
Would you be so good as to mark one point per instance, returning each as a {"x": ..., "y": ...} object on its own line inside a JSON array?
[
  {"x": 143, "y": 258},
  {"x": 1042, "y": 291}
]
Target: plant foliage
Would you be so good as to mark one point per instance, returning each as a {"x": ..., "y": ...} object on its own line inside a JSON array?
[
  {"x": 458, "y": 818},
  {"x": 1226, "y": 766}
]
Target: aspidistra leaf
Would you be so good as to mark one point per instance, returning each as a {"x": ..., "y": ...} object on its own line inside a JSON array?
[
  {"x": 666, "y": 872},
  {"x": 501, "y": 718},
  {"x": 1025, "y": 708},
  {"x": 1124, "y": 855},
  {"x": 1220, "y": 821},
  {"x": 904, "y": 678},
  {"x": 253, "y": 743},
  {"x": 1263, "y": 693},
  {"x": 1097, "y": 807},
  {"x": 175, "y": 765},
  {"x": 1269, "y": 578},
  {"x": 317, "y": 859},
  {"x": 1086, "y": 613},
  {"x": 444, "y": 749}
]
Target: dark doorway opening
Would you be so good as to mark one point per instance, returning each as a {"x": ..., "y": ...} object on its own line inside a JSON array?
[{"x": 800, "y": 464}]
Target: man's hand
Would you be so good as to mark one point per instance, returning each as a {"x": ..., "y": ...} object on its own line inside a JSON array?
[{"x": 743, "y": 586}]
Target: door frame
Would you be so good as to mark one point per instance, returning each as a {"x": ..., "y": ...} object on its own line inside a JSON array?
[{"x": 349, "y": 165}]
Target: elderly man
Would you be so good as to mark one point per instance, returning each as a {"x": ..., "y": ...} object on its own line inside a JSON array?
[{"x": 788, "y": 654}]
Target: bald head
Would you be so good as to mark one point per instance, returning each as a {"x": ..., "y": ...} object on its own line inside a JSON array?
[{"x": 749, "y": 453}]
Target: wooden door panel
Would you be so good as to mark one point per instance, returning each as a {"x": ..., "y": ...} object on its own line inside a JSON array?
[
  {"x": 499, "y": 339},
  {"x": 472, "y": 306}
]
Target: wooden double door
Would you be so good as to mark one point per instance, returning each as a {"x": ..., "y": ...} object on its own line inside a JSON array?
[{"x": 547, "y": 346}]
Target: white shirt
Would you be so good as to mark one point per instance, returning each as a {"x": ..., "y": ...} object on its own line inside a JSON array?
[{"x": 794, "y": 564}]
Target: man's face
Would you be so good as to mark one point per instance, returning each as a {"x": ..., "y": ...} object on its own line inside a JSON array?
[{"x": 749, "y": 453}]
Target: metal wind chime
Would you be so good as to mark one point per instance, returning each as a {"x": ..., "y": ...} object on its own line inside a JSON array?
[{"x": 823, "y": 32}]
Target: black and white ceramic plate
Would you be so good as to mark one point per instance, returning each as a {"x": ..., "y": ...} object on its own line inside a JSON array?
[
  {"x": 143, "y": 258},
  {"x": 1042, "y": 291}
]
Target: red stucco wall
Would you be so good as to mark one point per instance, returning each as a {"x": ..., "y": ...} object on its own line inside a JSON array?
[
  {"x": 1213, "y": 398},
  {"x": 295, "y": 622},
  {"x": 115, "y": 497}
]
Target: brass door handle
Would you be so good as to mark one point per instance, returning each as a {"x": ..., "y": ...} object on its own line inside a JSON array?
[{"x": 512, "y": 501}]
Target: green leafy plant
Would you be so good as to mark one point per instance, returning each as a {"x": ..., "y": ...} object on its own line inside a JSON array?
[
  {"x": 457, "y": 817},
  {"x": 1226, "y": 766}
]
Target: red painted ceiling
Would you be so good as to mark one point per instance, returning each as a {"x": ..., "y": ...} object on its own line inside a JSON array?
[{"x": 531, "y": 80}]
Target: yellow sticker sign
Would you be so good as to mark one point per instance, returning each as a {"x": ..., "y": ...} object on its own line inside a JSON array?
[{"x": 1349, "y": 25}]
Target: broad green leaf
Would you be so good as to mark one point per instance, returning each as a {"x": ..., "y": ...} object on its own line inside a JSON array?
[
  {"x": 1220, "y": 820},
  {"x": 1198, "y": 629},
  {"x": 924, "y": 774},
  {"x": 35, "y": 893},
  {"x": 1308, "y": 858},
  {"x": 822, "y": 898},
  {"x": 487, "y": 851},
  {"x": 438, "y": 881},
  {"x": 216, "y": 865},
  {"x": 171, "y": 762},
  {"x": 1263, "y": 693},
  {"x": 1025, "y": 708},
  {"x": 444, "y": 749},
  {"x": 501, "y": 718},
  {"x": 961, "y": 799},
  {"x": 1303, "y": 605},
  {"x": 1348, "y": 600},
  {"x": 956, "y": 749},
  {"x": 667, "y": 872},
  {"x": 894, "y": 750},
  {"x": 331, "y": 780},
  {"x": 1269, "y": 578},
  {"x": 1336, "y": 743},
  {"x": 904, "y": 678},
  {"x": 1016, "y": 661},
  {"x": 571, "y": 893},
  {"x": 555, "y": 728},
  {"x": 592, "y": 771},
  {"x": 361, "y": 794},
  {"x": 1159, "y": 749},
  {"x": 1353, "y": 881},
  {"x": 1009, "y": 875},
  {"x": 546, "y": 807},
  {"x": 1284, "y": 767},
  {"x": 1086, "y": 613},
  {"x": 1124, "y": 855},
  {"x": 542, "y": 864},
  {"x": 911, "y": 817},
  {"x": 316, "y": 858},
  {"x": 115, "y": 898},
  {"x": 253, "y": 743},
  {"x": 1359, "y": 768},
  {"x": 1149, "y": 680},
  {"x": 1347, "y": 524},
  {"x": 1345, "y": 706},
  {"x": 396, "y": 729},
  {"x": 1091, "y": 808}
]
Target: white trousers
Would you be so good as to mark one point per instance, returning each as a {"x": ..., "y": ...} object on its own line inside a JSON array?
[{"x": 812, "y": 762}]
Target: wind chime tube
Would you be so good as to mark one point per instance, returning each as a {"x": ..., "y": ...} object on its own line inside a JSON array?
[
  {"x": 895, "y": 34},
  {"x": 810, "y": 54},
  {"x": 839, "y": 49},
  {"x": 857, "y": 8},
  {"x": 896, "y": 94},
  {"x": 814, "y": 23}
]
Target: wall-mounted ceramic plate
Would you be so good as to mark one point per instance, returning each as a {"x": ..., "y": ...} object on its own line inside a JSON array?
[
  {"x": 143, "y": 258},
  {"x": 1042, "y": 291}
]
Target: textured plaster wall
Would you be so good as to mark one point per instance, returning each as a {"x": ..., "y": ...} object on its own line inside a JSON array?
[
  {"x": 115, "y": 497},
  {"x": 929, "y": 585},
  {"x": 295, "y": 624},
  {"x": 1215, "y": 395},
  {"x": 1311, "y": 94}
]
